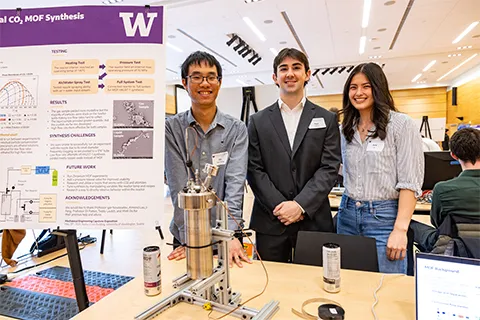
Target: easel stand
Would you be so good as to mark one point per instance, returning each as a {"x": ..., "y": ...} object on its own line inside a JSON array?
[{"x": 75, "y": 261}]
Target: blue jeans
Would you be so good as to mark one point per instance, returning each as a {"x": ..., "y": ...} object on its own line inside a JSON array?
[{"x": 374, "y": 219}]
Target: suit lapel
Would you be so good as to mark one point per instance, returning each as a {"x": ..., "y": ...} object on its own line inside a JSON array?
[
  {"x": 305, "y": 120},
  {"x": 277, "y": 122}
]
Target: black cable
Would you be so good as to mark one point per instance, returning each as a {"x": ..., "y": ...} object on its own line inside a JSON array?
[{"x": 199, "y": 247}]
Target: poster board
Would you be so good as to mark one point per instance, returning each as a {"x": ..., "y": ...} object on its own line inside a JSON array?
[{"x": 82, "y": 104}]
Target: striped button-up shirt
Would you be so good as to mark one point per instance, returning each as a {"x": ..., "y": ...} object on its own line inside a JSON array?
[
  {"x": 225, "y": 134},
  {"x": 374, "y": 170}
]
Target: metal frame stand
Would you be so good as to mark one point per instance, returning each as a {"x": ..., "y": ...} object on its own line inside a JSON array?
[
  {"x": 215, "y": 291},
  {"x": 428, "y": 133},
  {"x": 75, "y": 261}
]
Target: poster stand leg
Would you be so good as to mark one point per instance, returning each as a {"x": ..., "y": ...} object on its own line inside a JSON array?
[{"x": 75, "y": 261}]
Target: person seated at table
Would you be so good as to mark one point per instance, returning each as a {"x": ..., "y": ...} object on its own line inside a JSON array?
[{"x": 459, "y": 196}]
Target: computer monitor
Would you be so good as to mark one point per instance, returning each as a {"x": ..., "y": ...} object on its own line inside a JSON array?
[
  {"x": 439, "y": 166},
  {"x": 447, "y": 287}
]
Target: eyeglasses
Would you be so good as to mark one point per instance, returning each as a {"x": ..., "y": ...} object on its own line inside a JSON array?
[{"x": 196, "y": 78}]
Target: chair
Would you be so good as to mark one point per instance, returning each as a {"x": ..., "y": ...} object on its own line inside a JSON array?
[{"x": 356, "y": 252}]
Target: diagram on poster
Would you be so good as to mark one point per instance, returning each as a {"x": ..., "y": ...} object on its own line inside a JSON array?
[
  {"x": 21, "y": 201},
  {"x": 16, "y": 92}
]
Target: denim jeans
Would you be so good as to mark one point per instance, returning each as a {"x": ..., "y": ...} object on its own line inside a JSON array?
[{"x": 374, "y": 219}]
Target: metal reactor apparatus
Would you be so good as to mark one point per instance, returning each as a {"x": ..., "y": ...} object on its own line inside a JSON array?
[{"x": 205, "y": 284}]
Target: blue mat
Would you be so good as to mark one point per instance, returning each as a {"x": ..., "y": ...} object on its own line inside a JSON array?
[{"x": 28, "y": 305}]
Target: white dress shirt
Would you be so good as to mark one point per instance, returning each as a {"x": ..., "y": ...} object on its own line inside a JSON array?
[{"x": 291, "y": 118}]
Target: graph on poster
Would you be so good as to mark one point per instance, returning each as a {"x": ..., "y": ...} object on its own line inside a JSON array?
[{"x": 18, "y": 92}]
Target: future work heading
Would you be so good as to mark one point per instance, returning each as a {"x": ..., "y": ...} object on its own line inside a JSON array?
[{"x": 33, "y": 18}]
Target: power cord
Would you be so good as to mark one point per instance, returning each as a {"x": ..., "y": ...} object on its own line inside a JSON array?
[{"x": 376, "y": 297}]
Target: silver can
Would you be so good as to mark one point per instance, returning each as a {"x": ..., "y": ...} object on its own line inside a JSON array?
[
  {"x": 331, "y": 267},
  {"x": 152, "y": 272}
]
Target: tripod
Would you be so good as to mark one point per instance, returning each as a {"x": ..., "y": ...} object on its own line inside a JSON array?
[
  {"x": 248, "y": 96},
  {"x": 428, "y": 133}
]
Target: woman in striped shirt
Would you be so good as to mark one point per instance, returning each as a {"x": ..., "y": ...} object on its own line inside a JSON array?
[{"x": 383, "y": 167}]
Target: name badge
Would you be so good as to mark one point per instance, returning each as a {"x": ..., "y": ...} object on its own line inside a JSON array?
[
  {"x": 220, "y": 159},
  {"x": 317, "y": 123},
  {"x": 375, "y": 145}
]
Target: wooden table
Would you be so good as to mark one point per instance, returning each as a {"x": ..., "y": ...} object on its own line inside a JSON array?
[
  {"x": 289, "y": 283},
  {"x": 422, "y": 208}
]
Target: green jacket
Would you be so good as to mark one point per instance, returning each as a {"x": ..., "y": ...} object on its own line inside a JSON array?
[{"x": 459, "y": 196}]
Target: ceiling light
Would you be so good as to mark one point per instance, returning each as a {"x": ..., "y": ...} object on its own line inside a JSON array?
[
  {"x": 242, "y": 83},
  {"x": 367, "y": 4},
  {"x": 461, "y": 64},
  {"x": 325, "y": 71},
  {"x": 254, "y": 28},
  {"x": 247, "y": 53},
  {"x": 465, "y": 32},
  {"x": 257, "y": 61},
  {"x": 363, "y": 41},
  {"x": 274, "y": 51},
  {"x": 243, "y": 50},
  {"x": 253, "y": 57},
  {"x": 417, "y": 77},
  {"x": 350, "y": 69},
  {"x": 333, "y": 70},
  {"x": 315, "y": 72},
  {"x": 428, "y": 66},
  {"x": 238, "y": 46},
  {"x": 250, "y": 1},
  {"x": 341, "y": 69},
  {"x": 174, "y": 47},
  {"x": 231, "y": 41}
]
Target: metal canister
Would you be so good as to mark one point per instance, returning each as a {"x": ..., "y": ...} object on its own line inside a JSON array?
[
  {"x": 331, "y": 267},
  {"x": 152, "y": 271}
]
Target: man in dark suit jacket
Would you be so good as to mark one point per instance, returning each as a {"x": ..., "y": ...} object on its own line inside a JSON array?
[{"x": 293, "y": 160}]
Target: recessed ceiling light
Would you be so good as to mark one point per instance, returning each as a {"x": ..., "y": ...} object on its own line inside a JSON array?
[
  {"x": 174, "y": 47},
  {"x": 171, "y": 36},
  {"x": 444, "y": 62},
  {"x": 376, "y": 48},
  {"x": 428, "y": 66},
  {"x": 476, "y": 36},
  {"x": 389, "y": 3},
  {"x": 373, "y": 39},
  {"x": 465, "y": 32},
  {"x": 254, "y": 28},
  {"x": 382, "y": 29},
  {"x": 268, "y": 21},
  {"x": 283, "y": 42},
  {"x": 242, "y": 83},
  {"x": 416, "y": 77},
  {"x": 363, "y": 39},
  {"x": 455, "y": 68},
  {"x": 367, "y": 4}
]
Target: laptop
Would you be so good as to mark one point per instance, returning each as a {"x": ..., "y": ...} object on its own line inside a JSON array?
[{"x": 447, "y": 288}]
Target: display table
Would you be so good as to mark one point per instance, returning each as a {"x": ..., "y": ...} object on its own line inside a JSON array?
[{"x": 291, "y": 284}]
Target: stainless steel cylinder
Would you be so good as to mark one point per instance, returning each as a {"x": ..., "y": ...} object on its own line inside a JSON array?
[{"x": 198, "y": 232}]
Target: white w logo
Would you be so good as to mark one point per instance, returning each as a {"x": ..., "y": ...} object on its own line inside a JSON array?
[{"x": 139, "y": 23}]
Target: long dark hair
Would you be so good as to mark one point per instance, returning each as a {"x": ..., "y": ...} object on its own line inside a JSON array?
[{"x": 382, "y": 102}]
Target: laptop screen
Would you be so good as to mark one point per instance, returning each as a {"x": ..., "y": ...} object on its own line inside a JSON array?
[{"x": 447, "y": 287}]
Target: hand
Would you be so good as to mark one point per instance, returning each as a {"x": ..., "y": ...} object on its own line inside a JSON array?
[
  {"x": 397, "y": 245},
  {"x": 288, "y": 212},
  {"x": 177, "y": 254},
  {"x": 236, "y": 253}
]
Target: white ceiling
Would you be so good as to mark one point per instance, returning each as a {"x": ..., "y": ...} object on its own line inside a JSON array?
[{"x": 329, "y": 30}]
